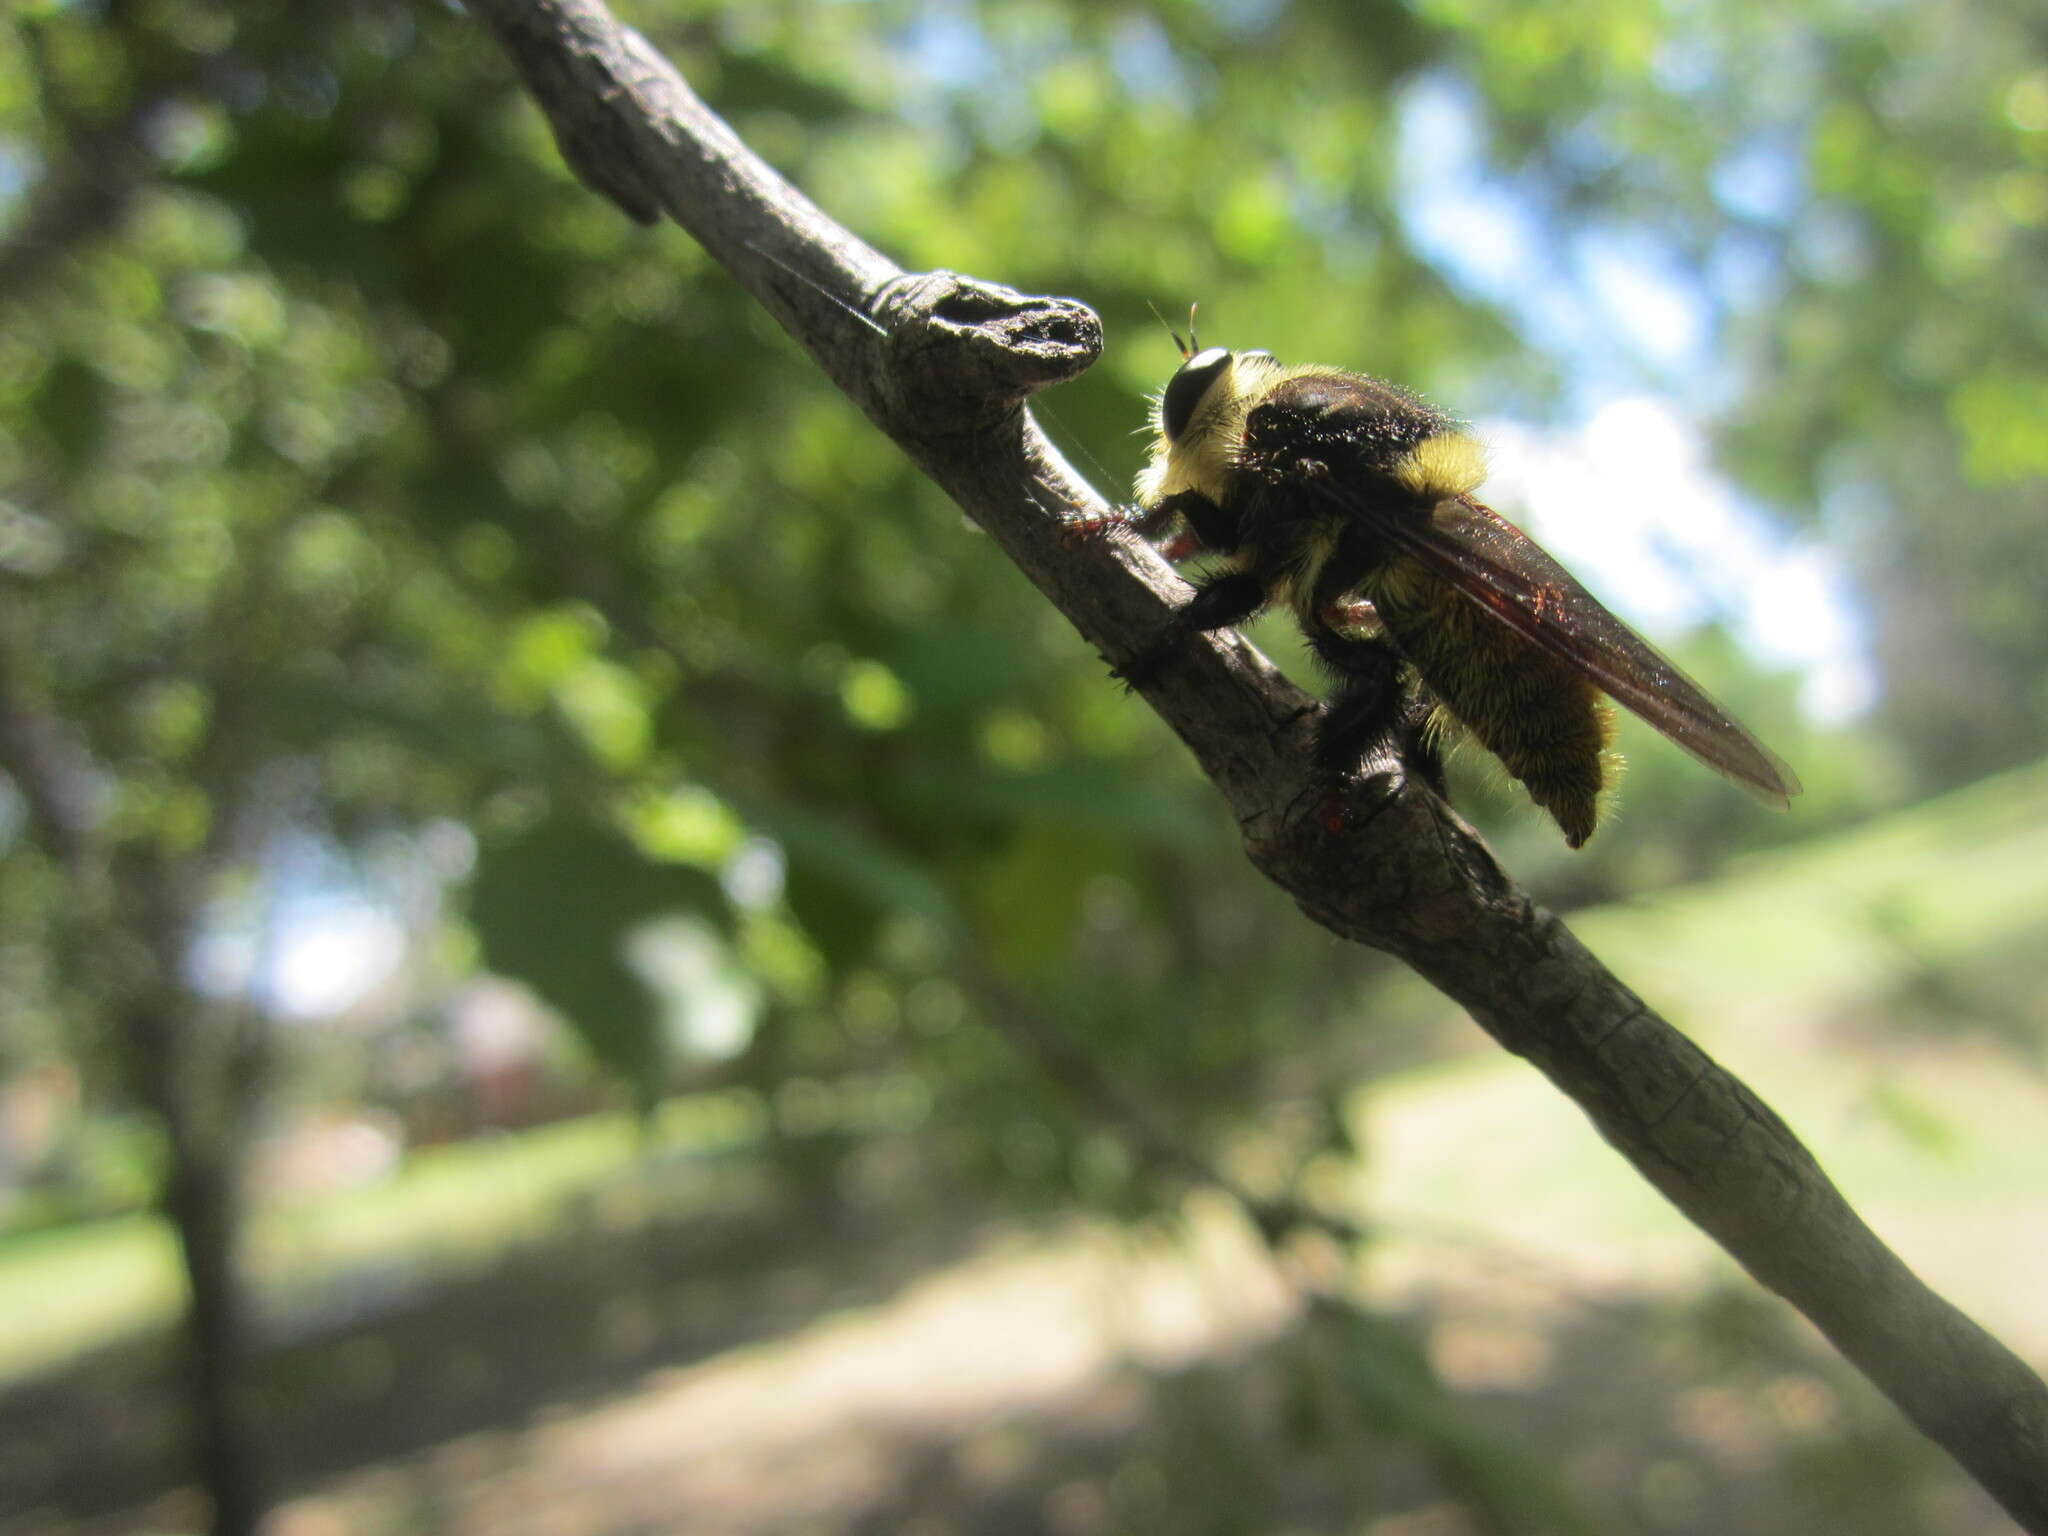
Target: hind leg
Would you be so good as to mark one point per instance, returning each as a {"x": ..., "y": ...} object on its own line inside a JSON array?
[{"x": 1378, "y": 710}]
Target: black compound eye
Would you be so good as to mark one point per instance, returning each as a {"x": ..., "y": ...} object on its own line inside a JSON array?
[{"x": 1185, "y": 389}]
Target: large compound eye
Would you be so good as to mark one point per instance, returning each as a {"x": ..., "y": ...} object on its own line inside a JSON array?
[{"x": 1185, "y": 389}]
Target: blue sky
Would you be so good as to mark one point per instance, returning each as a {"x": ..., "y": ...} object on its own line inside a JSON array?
[{"x": 1620, "y": 485}]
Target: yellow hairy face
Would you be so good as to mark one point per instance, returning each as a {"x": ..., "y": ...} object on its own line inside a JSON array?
[{"x": 1201, "y": 458}]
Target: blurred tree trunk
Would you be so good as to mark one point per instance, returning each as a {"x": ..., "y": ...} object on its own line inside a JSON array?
[
  {"x": 197, "y": 1064},
  {"x": 190, "y": 1088},
  {"x": 194, "y": 1063}
]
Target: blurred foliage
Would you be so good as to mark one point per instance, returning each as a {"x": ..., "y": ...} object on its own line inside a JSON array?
[
  {"x": 372, "y": 472},
  {"x": 361, "y": 473}
]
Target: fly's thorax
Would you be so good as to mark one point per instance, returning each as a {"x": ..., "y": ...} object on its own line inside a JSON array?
[{"x": 1204, "y": 455}]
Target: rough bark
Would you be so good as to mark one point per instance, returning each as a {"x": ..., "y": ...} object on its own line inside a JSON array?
[{"x": 942, "y": 364}]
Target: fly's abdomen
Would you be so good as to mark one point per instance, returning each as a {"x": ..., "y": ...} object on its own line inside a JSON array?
[{"x": 1549, "y": 727}]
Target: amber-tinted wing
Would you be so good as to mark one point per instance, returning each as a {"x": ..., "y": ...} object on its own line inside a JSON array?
[{"x": 1489, "y": 561}]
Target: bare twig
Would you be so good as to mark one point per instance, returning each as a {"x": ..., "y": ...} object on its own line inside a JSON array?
[
  {"x": 32, "y": 754},
  {"x": 1152, "y": 1138},
  {"x": 946, "y": 381},
  {"x": 81, "y": 198},
  {"x": 87, "y": 185}
]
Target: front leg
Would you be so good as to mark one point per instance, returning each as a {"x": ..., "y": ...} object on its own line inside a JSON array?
[
  {"x": 1218, "y": 603},
  {"x": 1180, "y": 526},
  {"x": 1150, "y": 523}
]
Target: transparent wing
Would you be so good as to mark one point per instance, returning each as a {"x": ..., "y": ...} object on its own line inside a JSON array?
[{"x": 1489, "y": 561}]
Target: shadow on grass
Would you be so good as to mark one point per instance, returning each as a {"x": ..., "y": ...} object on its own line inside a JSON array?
[
  {"x": 1717, "y": 1417},
  {"x": 1698, "y": 1420},
  {"x": 385, "y": 1363},
  {"x": 1568, "y": 1415}
]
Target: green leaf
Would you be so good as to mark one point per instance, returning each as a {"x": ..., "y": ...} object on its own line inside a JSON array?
[{"x": 554, "y": 907}]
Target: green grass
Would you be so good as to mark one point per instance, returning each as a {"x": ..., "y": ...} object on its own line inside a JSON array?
[
  {"x": 1957, "y": 876},
  {"x": 1885, "y": 990},
  {"x": 69, "y": 1290},
  {"x": 1789, "y": 968},
  {"x": 451, "y": 1203},
  {"x": 66, "y": 1291}
]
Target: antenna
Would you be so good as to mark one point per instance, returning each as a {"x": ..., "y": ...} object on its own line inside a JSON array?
[{"x": 1186, "y": 351}]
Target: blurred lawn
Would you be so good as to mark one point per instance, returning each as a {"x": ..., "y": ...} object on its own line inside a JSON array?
[
  {"x": 1884, "y": 989},
  {"x": 65, "y": 1292}
]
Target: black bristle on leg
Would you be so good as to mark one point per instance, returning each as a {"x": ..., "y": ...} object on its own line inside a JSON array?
[
  {"x": 1366, "y": 712},
  {"x": 1418, "y": 745}
]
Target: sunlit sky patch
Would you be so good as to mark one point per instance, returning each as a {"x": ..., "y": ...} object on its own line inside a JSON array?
[
  {"x": 1760, "y": 180},
  {"x": 1622, "y": 489},
  {"x": 1630, "y": 504},
  {"x": 710, "y": 1003},
  {"x": 309, "y": 954},
  {"x": 314, "y": 936},
  {"x": 330, "y": 953}
]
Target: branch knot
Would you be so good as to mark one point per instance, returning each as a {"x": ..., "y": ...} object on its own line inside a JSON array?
[{"x": 963, "y": 353}]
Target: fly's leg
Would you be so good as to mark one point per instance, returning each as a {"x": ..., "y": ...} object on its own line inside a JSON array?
[
  {"x": 1379, "y": 710},
  {"x": 1218, "y": 603}
]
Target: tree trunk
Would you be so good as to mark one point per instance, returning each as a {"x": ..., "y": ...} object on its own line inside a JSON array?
[
  {"x": 197, "y": 1067},
  {"x": 195, "y": 1064},
  {"x": 201, "y": 1200}
]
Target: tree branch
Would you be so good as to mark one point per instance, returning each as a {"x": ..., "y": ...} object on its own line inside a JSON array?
[
  {"x": 32, "y": 753},
  {"x": 942, "y": 364},
  {"x": 87, "y": 185},
  {"x": 1065, "y": 1060}
]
